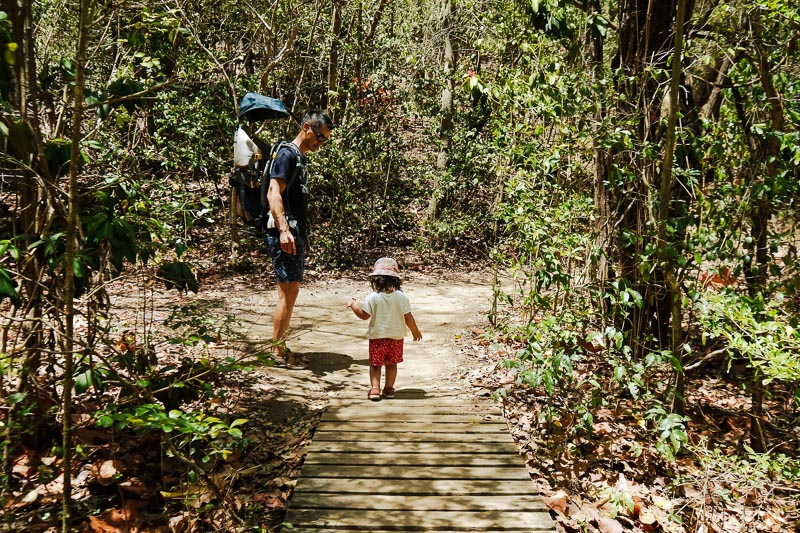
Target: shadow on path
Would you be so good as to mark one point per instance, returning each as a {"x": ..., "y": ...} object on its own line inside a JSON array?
[{"x": 324, "y": 363}]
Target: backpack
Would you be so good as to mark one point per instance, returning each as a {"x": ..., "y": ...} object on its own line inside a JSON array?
[
  {"x": 250, "y": 177},
  {"x": 252, "y": 159}
]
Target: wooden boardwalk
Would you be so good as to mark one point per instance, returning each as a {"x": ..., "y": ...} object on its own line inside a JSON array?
[{"x": 414, "y": 463}]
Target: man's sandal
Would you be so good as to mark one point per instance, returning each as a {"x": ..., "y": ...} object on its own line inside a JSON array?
[
  {"x": 389, "y": 392},
  {"x": 374, "y": 394}
]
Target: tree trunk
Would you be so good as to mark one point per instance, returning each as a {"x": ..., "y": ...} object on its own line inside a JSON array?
[
  {"x": 37, "y": 210},
  {"x": 72, "y": 249},
  {"x": 672, "y": 285},
  {"x": 446, "y": 126},
  {"x": 303, "y": 71},
  {"x": 603, "y": 220},
  {"x": 365, "y": 39},
  {"x": 333, "y": 59},
  {"x": 762, "y": 213},
  {"x": 645, "y": 38}
]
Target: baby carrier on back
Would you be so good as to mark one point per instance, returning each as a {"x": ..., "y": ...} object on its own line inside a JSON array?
[{"x": 252, "y": 158}]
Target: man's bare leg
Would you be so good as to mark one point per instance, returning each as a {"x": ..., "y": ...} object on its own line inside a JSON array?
[{"x": 287, "y": 296}]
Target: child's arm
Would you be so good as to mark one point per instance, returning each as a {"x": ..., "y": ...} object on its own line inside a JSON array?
[
  {"x": 360, "y": 313},
  {"x": 412, "y": 325}
]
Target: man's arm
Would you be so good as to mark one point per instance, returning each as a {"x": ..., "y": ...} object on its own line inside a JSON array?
[{"x": 276, "y": 187}]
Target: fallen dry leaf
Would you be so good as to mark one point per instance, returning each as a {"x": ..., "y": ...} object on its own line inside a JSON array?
[
  {"x": 23, "y": 465},
  {"x": 663, "y": 503},
  {"x": 125, "y": 520},
  {"x": 603, "y": 428},
  {"x": 557, "y": 502},
  {"x": 30, "y": 497},
  {"x": 179, "y": 524},
  {"x": 638, "y": 505},
  {"x": 273, "y": 499},
  {"x": 608, "y": 525},
  {"x": 106, "y": 472},
  {"x": 587, "y": 513},
  {"x": 135, "y": 486},
  {"x": 647, "y": 517}
]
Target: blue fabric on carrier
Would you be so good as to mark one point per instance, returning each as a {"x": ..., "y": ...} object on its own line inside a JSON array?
[{"x": 254, "y": 107}]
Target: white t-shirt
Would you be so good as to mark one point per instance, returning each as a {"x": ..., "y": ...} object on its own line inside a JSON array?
[{"x": 387, "y": 312}]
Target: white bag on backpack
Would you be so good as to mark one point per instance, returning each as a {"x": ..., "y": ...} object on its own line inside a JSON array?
[{"x": 245, "y": 150}]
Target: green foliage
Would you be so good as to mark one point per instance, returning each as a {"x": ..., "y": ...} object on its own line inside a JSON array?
[
  {"x": 179, "y": 275},
  {"x": 116, "y": 233},
  {"x": 765, "y": 338},
  {"x": 671, "y": 431},
  {"x": 195, "y": 325},
  {"x": 57, "y": 152},
  {"x": 544, "y": 361},
  {"x": 8, "y": 50},
  {"x": 360, "y": 196},
  {"x": 87, "y": 377},
  {"x": 732, "y": 477},
  {"x": 192, "y": 134},
  {"x": 197, "y": 433},
  {"x": 8, "y": 287}
]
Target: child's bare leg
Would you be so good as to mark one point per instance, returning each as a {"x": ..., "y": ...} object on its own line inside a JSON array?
[
  {"x": 375, "y": 376},
  {"x": 391, "y": 375}
]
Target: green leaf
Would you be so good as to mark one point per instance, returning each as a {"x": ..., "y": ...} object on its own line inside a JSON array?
[
  {"x": 83, "y": 381},
  {"x": 178, "y": 275},
  {"x": 57, "y": 153},
  {"x": 8, "y": 287},
  {"x": 15, "y": 398}
]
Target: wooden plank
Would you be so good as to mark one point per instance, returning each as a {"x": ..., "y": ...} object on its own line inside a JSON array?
[
  {"x": 406, "y": 502},
  {"x": 467, "y": 529},
  {"x": 505, "y": 447},
  {"x": 414, "y": 486},
  {"x": 445, "y": 403},
  {"x": 530, "y": 520},
  {"x": 325, "y": 434},
  {"x": 498, "y": 473},
  {"x": 412, "y": 427},
  {"x": 378, "y": 457},
  {"x": 387, "y": 408},
  {"x": 409, "y": 394},
  {"x": 416, "y": 418},
  {"x": 361, "y": 399}
]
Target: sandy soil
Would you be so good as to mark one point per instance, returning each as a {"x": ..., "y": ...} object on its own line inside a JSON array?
[
  {"x": 283, "y": 403},
  {"x": 331, "y": 340}
]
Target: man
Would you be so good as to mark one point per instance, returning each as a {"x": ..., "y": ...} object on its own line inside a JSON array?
[{"x": 287, "y": 224}]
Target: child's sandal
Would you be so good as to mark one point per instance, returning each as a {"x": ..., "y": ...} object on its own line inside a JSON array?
[
  {"x": 389, "y": 392},
  {"x": 374, "y": 394}
]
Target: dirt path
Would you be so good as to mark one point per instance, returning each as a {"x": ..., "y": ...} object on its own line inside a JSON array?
[
  {"x": 283, "y": 404},
  {"x": 332, "y": 343}
]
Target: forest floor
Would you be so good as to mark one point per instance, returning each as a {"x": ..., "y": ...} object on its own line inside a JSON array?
[
  {"x": 283, "y": 400},
  {"x": 329, "y": 351},
  {"x": 609, "y": 483}
]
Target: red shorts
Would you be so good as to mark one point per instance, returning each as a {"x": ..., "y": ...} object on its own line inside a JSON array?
[{"x": 385, "y": 352}]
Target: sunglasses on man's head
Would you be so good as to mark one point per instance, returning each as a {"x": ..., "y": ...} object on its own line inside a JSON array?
[{"x": 318, "y": 134}]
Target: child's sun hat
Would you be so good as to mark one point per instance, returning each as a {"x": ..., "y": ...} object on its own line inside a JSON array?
[{"x": 386, "y": 266}]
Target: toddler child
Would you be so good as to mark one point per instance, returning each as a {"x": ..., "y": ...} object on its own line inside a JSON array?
[{"x": 389, "y": 313}]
